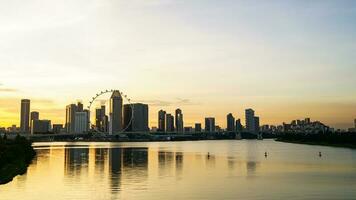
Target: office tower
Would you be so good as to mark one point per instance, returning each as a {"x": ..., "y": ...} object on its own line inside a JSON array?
[
  {"x": 250, "y": 120},
  {"x": 88, "y": 119},
  {"x": 169, "y": 123},
  {"x": 79, "y": 107},
  {"x": 105, "y": 124},
  {"x": 188, "y": 129},
  {"x": 25, "y": 116},
  {"x": 257, "y": 124},
  {"x": 57, "y": 128},
  {"x": 81, "y": 122},
  {"x": 115, "y": 113},
  {"x": 98, "y": 118},
  {"x": 35, "y": 115},
  {"x": 238, "y": 125},
  {"x": 210, "y": 124},
  {"x": 70, "y": 118},
  {"x": 162, "y": 120},
  {"x": 40, "y": 126},
  {"x": 138, "y": 115},
  {"x": 197, "y": 127},
  {"x": 230, "y": 119},
  {"x": 179, "y": 121}
]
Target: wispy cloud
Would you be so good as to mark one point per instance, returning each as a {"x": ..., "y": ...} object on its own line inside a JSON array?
[
  {"x": 8, "y": 89},
  {"x": 176, "y": 102}
]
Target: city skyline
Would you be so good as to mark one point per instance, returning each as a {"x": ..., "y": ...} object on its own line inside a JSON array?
[{"x": 285, "y": 59}]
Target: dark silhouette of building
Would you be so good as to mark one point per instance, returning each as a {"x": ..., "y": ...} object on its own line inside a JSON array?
[
  {"x": 25, "y": 116},
  {"x": 179, "y": 121},
  {"x": 169, "y": 123},
  {"x": 210, "y": 124},
  {"x": 252, "y": 121},
  {"x": 116, "y": 122},
  {"x": 57, "y": 128},
  {"x": 161, "y": 121},
  {"x": 197, "y": 127},
  {"x": 238, "y": 125},
  {"x": 40, "y": 126},
  {"x": 230, "y": 119},
  {"x": 70, "y": 118},
  {"x": 136, "y": 117}
]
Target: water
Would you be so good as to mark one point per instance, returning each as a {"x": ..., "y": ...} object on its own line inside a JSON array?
[{"x": 184, "y": 170}]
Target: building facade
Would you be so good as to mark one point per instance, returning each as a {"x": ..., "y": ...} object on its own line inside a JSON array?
[
  {"x": 25, "y": 116},
  {"x": 161, "y": 121},
  {"x": 70, "y": 118},
  {"x": 40, "y": 126},
  {"x": 81, "y": 122},
  {"x": 116, "y": 112},
  {"x": 179, "y": 121},
  {"x": 230, "y": 120},
  {"x": 136, "y": 117},
  {"x": 169, "y": 123},
  {"x": 210, "y": 124}
]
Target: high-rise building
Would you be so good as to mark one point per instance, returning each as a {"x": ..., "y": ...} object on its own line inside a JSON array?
[
  {"x": 179, "y": 121},
  {"x": 116, "y": 113},
  {"x": 257, "y": 124},
  {"x": 70, "y": 118},
  {"x": 188, "y": 129},
  {"x": 161, "y": 120},
  {"x": 34, "y": 115},
  {"x": 81, "y": 122},
  {"x": 230, "y": 119},
  {"x": 40, "y": 126},
  {"x": 79, "y": 107},
  {"x": 250, "y": 120},
  {"x": 100, "y": 116},
  {"x": 197, "y": 127},
  {"x": 238, "y": 125},
  {"x": 169, "y": 123},
  {"x": 210, "y": 124},
  {"x": 25, "y": 116},
  {"x": 138, "y": 115}
]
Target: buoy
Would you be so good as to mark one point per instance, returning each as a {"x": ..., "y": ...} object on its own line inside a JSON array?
[
  {"x": 319, "y": 154},
  {"x": 265, "y": 154}
]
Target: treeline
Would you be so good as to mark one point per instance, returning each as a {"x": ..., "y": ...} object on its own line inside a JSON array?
[
  {"x": 330, "y": 139},
  {"x": 15, "y": 156}
]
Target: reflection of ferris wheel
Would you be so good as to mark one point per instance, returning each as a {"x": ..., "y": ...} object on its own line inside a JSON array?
[{"x": 124, "y": 97}]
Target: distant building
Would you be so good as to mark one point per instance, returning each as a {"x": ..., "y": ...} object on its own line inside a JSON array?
[
  {"x": 81, "y": 122},
  {"x": 136, "y": 117},
  {"x": 257, "y": 124},
  {"x": 209, "y": 124},
  {"x": 179, "y": 121},
  {"x": 161, "y": 120},
  {"x": 230, "y": 119},
  {"x": 197, "y": 127},
  {"x": 169, "y": 123},
  {"x": 100, "y": 117},
  {"x": 252, "y": 121},
  {"x": 25, "y": 116},
  {"x": 116, "y": 111},
  {"x": 40, "y": 126},
  {"x": 57, "y": 128},
  {"x": 70, "y": 118},
  {"x": 188, "y": 129},
  {"x": 79, "y": 107},
  {"x": 238, "y": 125},
  {"x": 34, "y": 116}
]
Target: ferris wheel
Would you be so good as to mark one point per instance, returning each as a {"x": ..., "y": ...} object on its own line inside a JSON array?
[{"x": 124, "y": 97}]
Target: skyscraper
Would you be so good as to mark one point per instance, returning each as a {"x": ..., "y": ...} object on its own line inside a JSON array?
[
  {"x": 100, "y": 116},
  {"x": 250, "y": 120},
  {"x": 210, "y": 124},
  {"x": 115, "y": 112},
  {"x": 179, "y": 121},
  {"x": 25, "y": 116},
  {"x": 169, "y": 123},
  {"x": 81, "y": 122},
  {"x": 197, "y": 127},
  {"x": 40, "y": 126},
  {"x": 34, "y": 116},
  {"x": 257, "y": 124},
  {"x": 238, "y": 125},
  {"x": 80, "y": 107},
  {"x": 70, "y": 118},
  {"x": 138, "y": 114},
  {"x": 230, "y": 119},
  {"x": 162, "y": 120}
]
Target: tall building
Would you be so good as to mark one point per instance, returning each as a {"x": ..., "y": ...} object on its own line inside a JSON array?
[
  {"x": 257, "y": 124},
  {"x": 210, "y": 124},
  {"x": 40, "y": 126},
  {"x": 179, "y": 121},
  {"x": 197, "y": 127},
  {"x": 238, "y": 125},
  {"x": 35, "y": 115},
  {"x": 80, "y": 107},
  {"x": 25, "y": 116},
  {"x": 115, "y": 113},
  {"x": 161, "y": 120},
  {"x": 81, "y": 122},
  {"x": 230, "y": 119},
  {"x": 138, "y": 115},
  {"x": 250, "y": 120},
  {"x": 169, "y": 123},
  {"x": 100, "y": 117},
  {"x": 57, "y": 128},
  {"x": 70, "y": 118}
]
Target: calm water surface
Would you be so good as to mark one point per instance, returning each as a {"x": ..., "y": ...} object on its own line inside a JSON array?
[{"x": 183, "y": 170}]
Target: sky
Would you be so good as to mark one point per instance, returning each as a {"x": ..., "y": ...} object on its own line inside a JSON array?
[{"x": 285, "y": 59}]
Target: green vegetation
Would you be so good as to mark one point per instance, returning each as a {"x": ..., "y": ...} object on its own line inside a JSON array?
[
  {"x": 15, "y": 156},
  {"x": 326, "y": 139}
]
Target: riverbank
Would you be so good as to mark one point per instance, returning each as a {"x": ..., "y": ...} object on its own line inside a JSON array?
[
  {"x": 346, "y": 140},
  {"x": 15, "y": 156}
]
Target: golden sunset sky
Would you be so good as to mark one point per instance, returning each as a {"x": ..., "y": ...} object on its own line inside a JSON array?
[{"x": 285, "y": 59}]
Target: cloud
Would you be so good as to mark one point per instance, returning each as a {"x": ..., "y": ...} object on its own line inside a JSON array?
[
  {"x": 8, "y": 89},
  {"x": 176, "y": 102}
]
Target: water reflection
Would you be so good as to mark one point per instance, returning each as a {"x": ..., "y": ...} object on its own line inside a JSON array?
[{"x": 159, "y": 170}]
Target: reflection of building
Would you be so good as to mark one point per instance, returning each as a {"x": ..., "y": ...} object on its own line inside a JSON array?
[
  {"x": 115, "y": 112},
  {"x": 230, "y": 122},
  {"x": 210, "y": 124},
  {"x": 179, "y": 121},
  {"x": 81, "y": 122},
  {"x": 40, "y": 126},
  {"x": 25, "y": 116},
  {"x": 169, "y": 123},
  {"x": 70, "y": 118},
  {"x": 161, "y": 120},
  {"x": 138, "y": 115},
  {"x": 75, "y": 159}
]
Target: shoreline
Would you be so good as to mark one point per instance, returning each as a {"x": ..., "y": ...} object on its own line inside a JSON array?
[{"x": 350, "y": 146}]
